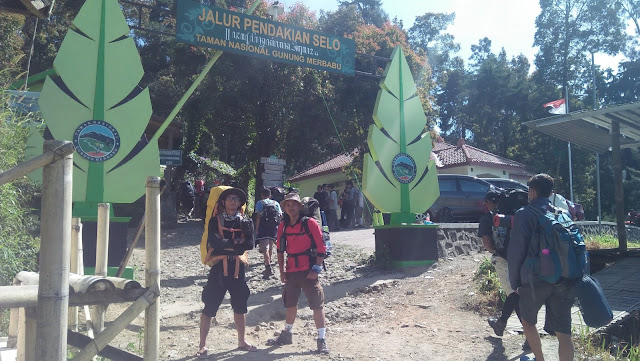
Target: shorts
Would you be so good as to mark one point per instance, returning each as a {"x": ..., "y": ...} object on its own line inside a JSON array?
[
  {"x": 297, "y": 281},
  {"x": 557, "y": 299},
  {"x": 264, "y": 243},
  {"x": 216, "y": 288},
  {"x": 502, "y": 271}
]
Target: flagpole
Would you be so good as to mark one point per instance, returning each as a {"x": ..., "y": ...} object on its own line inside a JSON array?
[
  {"x": 595, "y": 107},
  {"x": 566, "y": 108}
]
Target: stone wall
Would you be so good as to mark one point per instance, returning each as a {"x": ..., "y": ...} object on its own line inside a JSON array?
[{"x": 455, "y": 239}]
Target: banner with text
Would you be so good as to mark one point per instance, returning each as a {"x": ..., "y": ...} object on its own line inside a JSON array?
[{"x": 218, "y": 28}]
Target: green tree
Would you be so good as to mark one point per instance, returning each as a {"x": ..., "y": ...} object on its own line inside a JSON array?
[
  {"x": 567, "y": 30},
  {"x": 11, "y": 40},
  {"x": 371, "y": 10}
]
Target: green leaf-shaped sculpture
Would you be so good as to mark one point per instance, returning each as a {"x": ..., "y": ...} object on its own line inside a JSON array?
[
  {"x": 97, "y": 102},
  {"x": 399, "y": 177}
]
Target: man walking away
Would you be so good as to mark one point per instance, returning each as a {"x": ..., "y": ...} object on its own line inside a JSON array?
[
  {"x": 359, "y": 202},
  {"x": 533, "y": 291},
  {"x": 497, "y": 244},
  {"x": 332, "y": 211},
  {"x": 322, "y": 197},
  {"x": 269, "y": 216}
]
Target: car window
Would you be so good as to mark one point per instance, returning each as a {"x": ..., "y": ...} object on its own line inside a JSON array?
[
  {"x": 447, "y": 185},
  {"x": 471, "y": 186}
]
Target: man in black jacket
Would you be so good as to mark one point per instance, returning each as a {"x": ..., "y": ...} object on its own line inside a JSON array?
[
  {"x": 496, "y": 241},
  {"x": 230, "y": 235},
  {"x": 533, "y": 291}
]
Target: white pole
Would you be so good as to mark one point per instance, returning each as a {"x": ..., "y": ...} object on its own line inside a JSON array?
[
  {"x": 570, "y": 172},
  {"x": 102, "y": 257},
  {"x": 152, "y": 269},
  {"x": 76, "y": 236},
  {"x": 55, "y": 244}
]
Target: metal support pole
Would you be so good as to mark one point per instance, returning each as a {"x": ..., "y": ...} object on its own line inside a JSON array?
[
  {"x": 619, "y": 191},
  {"x": 566, "y": 107},
  {"x": 55, "y": 245},
  {"x": 570, "y": 171},
  {"x": 152, "y": 269},
  {"x": 102, "y": 258},
  {"x": 598, "y": 192}
]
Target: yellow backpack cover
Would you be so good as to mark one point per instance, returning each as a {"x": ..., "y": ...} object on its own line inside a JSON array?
[{"x": 212, "y": 203}]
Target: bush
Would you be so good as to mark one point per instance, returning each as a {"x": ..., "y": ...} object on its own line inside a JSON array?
[{"x": 18, "y": 247}]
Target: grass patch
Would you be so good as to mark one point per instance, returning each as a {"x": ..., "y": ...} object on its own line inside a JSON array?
[
  {"x": 490, "y": 297},
  {"x": 606, "y": 241},
  {"x": 604, "y": 347}
]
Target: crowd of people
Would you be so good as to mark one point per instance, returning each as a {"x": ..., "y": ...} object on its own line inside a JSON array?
[{"x": 349, "y": 204}]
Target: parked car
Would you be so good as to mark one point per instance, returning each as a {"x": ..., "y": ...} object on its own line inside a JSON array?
[
  {"x": 461, "y": 199},
  {"x": 506, "y": 183}
]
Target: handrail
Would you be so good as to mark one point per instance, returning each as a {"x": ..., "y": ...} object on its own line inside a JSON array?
[{"x": 40, "y": 161}]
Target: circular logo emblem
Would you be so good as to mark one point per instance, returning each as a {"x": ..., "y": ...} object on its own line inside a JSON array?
[
  {"x": 403, "y": 168},
  {"x": 96, "y": 140}
]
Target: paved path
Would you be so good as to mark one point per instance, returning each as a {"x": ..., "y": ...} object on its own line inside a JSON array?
[{"x": 621, "y": 285}]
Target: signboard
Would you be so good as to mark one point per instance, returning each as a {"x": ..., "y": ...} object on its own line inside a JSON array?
[
  {"x": 272, "y": 176},
  {"x": 272, "y": 183},
  {"x": 267, "y": 171},
  {"x": 272, "y": 160},
  {"x": 226, "y": 30},
  {"x": 268, "y": 167},
  {"x": 170, "y": 157}
]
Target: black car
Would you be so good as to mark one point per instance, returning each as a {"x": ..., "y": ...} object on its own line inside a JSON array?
[
  {"x": 506, "y": 183},
  {"x": 461, "y": 199}
]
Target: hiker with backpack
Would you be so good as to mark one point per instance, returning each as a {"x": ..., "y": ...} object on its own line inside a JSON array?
[
  {"x": 268, "y": 218},
  {"x": 529, "y": 260},
  {"x": 187, "y": 197},
  {"x": 229, "y": 235},
  {"x": 494, "y": 228},
  {"x": 300, "y": 241},
  {"x": 496, "y": 242}
]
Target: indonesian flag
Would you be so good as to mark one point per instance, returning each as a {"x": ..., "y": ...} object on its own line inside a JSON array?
[{"x": 557, "y": 107}]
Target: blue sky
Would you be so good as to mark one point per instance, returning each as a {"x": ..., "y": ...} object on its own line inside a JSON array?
[{"x": 508, "y": 23}]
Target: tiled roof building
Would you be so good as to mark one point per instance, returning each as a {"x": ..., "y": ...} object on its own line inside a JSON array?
[{"x": 450, "y": 159}]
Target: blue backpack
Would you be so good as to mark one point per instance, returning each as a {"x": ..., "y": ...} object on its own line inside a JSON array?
[{"x": 562, "y": 253}]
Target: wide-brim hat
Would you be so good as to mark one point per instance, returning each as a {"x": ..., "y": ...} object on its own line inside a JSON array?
[
  {"x": 235, "y": 191},
  {"x": 293, "y": 197}
]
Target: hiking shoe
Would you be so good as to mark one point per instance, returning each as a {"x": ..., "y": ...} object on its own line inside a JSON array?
[
  {"x": 285, "y": 338},
  {"x": 267, "y": 273},
  {"x": 527, "y": 358},
  {"x": 525, "y": 346},
  {"x": 498, "y": 325},
  {"x": 322, "y": 346}
]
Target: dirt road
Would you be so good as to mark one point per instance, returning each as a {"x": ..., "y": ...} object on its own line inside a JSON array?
[{"x": 413, "y": 314}]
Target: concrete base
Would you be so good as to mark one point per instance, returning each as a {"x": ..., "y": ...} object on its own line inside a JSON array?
[{"x": 409, "y": 245}]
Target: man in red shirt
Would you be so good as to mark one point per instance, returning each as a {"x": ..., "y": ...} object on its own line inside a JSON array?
[{"x": 301, "y": 239}]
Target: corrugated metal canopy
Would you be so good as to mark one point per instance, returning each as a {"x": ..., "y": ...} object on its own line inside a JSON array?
[{"x": 592, "y": 129}]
